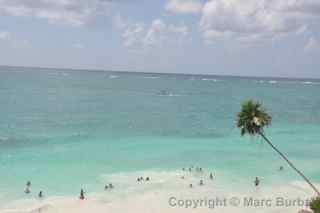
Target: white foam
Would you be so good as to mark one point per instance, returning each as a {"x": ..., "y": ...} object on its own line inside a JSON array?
[
  {"x": 273, "y": 82},
  {"x": 209, "y": 79},
  {"x": 153, "y": 196},
  {"x": 151, "y": 77},
  {"x": 113, "y": 76},
  {"x": 310, "y": 83}
]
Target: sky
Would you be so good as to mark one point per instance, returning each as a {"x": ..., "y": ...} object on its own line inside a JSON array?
[{"x": 223, "y": 37}]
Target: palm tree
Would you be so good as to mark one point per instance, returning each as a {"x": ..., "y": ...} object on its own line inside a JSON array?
[{"x": 252, "y": 119}]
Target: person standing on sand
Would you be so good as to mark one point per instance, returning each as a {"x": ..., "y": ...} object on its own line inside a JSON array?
[{"x": 81, "y": 195}]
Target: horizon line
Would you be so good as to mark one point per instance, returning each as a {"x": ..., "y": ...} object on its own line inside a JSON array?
[{"x": 159, "y": 73}]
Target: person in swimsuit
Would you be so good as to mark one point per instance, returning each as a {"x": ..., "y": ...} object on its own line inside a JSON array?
[
  {"x": 81, "y": 195},
  {"x": 211, "y": 176},
  {"x": 28, "y": 185},
  {"x": 257, "y": 182}
]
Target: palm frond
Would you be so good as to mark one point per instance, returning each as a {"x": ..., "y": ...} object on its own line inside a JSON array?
[{"x": 252, "y": 118}]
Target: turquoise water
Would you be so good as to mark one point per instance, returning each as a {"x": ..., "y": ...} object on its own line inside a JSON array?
[{"x": 64, "y": 129}]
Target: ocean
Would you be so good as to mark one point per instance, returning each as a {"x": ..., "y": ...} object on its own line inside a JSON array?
[{"x": 66, "y": 130}]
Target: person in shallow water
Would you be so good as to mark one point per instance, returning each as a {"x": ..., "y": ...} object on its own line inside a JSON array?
[
  {"x": 106, "y": 187},
  {"x": 27, "y": 190},
  {"x": 147, "y": 179},
  {"x": 257, "y": 182},
  {"x": 28, "y": 185},
  {"x": 110, "y": 186},
  {"x": 201, "y": 183},
  {"x": 81, "y": 195},
  {"x": 211, "y": 176},
  {"x": 281, "y": 168},
  {"x": 40, "y": 195}
]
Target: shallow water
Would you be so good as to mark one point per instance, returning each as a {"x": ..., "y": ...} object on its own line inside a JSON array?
[{"x": 65, "y": 130}]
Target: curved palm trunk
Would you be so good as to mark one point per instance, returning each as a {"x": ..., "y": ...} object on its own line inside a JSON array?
[{"x": 290, "y": 164}]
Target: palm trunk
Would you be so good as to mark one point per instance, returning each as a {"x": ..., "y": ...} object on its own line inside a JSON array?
[{"x": 290, "y": 164}]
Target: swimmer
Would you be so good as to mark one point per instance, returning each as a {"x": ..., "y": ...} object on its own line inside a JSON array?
[
  {"x": 27, "y": 190},
  {"x": 81, "y": 195},
  {"x": 211, "y": 176},
  {"x": 257, "y": 182},
  {"x": 201, "y": 183}
]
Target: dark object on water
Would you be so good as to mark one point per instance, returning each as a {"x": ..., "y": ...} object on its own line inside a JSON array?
[
  {"x": 40, "y": 195},
  {"x": 106, "y": 187},
  {"x": 281, "y": 168},
  {"x": 147, "y": 179},
  {"x": 28, "y": 184},
  {"x": 110, "y": 186}
]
